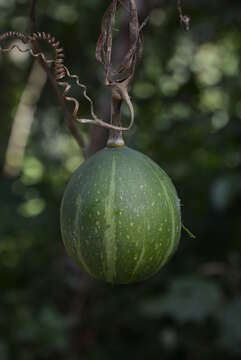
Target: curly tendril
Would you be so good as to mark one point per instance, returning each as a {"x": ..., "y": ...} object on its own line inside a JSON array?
[{"x": 61, "y": 73}]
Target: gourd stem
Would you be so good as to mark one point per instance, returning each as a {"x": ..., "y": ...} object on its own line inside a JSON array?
[{"x": 115, "y": 136}]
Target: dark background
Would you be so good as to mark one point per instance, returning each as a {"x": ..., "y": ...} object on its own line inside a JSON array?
[{"x": 187, "y": 98}]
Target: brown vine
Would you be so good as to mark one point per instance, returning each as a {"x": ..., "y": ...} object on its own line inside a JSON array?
[
  {"x": 119, "y": 80},
  {"x": 60, "y": 72}
]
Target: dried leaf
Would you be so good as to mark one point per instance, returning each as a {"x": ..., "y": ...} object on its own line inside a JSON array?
[{"x": 126, "y": 69}]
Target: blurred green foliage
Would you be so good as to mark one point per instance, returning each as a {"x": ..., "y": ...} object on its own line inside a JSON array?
[{"x": 187, "y": 98}]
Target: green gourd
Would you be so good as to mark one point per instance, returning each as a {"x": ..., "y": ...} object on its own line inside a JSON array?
[{"x": 120, "y": 216}]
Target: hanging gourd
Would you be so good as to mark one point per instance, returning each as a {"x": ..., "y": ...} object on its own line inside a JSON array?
[
  {"x": 120, "y": 213},
  {"x": 120, "y": 216}
]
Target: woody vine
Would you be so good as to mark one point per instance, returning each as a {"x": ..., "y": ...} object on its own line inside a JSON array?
[{"x": 118, "y": 80}]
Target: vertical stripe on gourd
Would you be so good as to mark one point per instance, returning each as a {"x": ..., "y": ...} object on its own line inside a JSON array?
[
  {"x": 110, "y": 232},
  {"x": 172, "y": 238}
]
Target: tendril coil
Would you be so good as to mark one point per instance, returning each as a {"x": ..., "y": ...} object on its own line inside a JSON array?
[{"x": 61, "y": 72}]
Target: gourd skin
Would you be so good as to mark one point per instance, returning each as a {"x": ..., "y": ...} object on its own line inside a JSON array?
[{"x": 120, "y": 216}]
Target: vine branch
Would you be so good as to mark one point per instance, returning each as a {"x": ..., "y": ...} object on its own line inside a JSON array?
[
  {"x": 118, "y": 79},
  {"x": 66, "y": 113}
]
